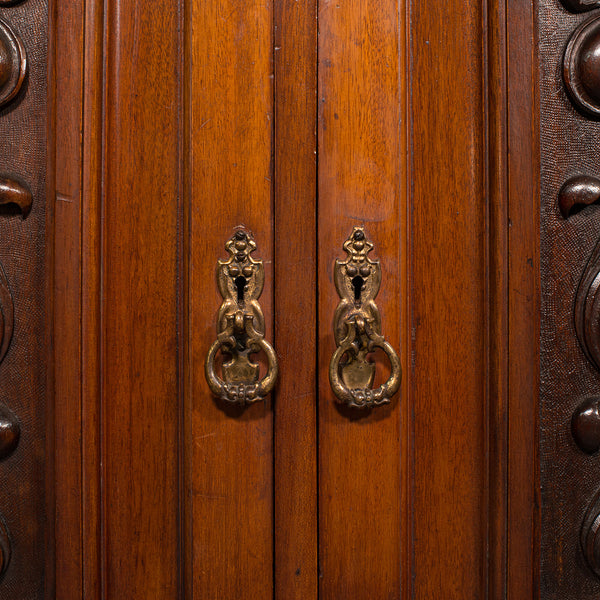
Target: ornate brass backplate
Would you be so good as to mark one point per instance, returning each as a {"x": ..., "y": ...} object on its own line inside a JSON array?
[
  {"x": 240, "y": 327},
  {"x": 357, "y": 329}
]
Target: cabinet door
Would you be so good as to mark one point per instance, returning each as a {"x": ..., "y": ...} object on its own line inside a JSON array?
[{"x": 181, "y": 123}]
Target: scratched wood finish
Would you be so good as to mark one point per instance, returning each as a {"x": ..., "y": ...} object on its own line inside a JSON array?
[
  {"x": 139, "y": 318},
  {"x": 295, "y": 476},
  {"x": 228, "y": 518},
  {"x": 361, "y": 175}
]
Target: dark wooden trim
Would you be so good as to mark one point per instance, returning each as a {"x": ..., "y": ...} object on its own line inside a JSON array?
[
  {"x": 498, "y": 294},
  {"x": 295, "y": 285},
  {"x": 524, "y": 302},
  {"x": 51, "y": 171}
]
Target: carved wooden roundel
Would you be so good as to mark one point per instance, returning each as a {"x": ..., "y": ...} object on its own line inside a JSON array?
[
  {"x": 589, "y": 536},
  {"x": 585, "y": 426},
  {"x": 581, "y": 67},
  {"x": 10, "y": 431},
  {"x": 13, "y": 64},
  {"x": 4, "y": 547},
  {"x": 581, "y": 5}
]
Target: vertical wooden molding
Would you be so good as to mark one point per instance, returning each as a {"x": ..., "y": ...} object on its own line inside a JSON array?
[
  {"x": 407, "y": 466},
  {"x": 91, "y": 316},
  {"x": 139, "y": 311},
  {"x": 51, "y": 422},
  {"x": 66, "y": 145},
  {"x": 498, "y": 293},
  {"x": 295, "y": 426},
  {"x": 524, "y": 302}
]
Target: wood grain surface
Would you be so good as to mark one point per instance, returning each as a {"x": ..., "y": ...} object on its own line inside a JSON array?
[
  {"x": 525, "y": 143},
  {"x": 361, "y": 175},
  {"x": 178, "y": 122},
  {"x": 139, "y": 318},
  {"x": 69, "y": 52},
  {"x": 296, "y": 335},
  {"x": 448, "y": 301},
  {"x": 229, "y": 454}
]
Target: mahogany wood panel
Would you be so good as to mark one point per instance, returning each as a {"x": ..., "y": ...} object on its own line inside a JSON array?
[
  {"x": 164, "y": 493},
  {"x": 295, "y": 300},
  {"x": 228, "y": 497},
  {"x": 139, "y": 286},
  {"x": 361, "y": 179},
  {"x": 25, "y": 371},
  {"x": 448, "y": 302},
  {"x": 512, "y": 172},
  {"x": 79, "y": 68}
]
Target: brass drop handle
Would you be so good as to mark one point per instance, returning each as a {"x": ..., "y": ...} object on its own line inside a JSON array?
[
  {"x": 240, "y": 327},
  {"x": 357, "y": 329}
]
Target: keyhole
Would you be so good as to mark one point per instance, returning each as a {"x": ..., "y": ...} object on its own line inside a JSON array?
[
  {"x": 240, "y": 284},
  {"x": 357, "y": 284}
]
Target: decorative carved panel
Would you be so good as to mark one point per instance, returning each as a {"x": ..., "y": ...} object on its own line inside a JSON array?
[
  {"x": 569, "y": 38},
  {"x": 24, "y": 306}
]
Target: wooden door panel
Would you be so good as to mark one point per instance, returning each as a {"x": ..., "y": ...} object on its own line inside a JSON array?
[
  {"x": 139, "y": 300},
  {"x": 361, "y": 175},
  {"x": 448, "y": 301},
  {"x": 68, "y": 34},
  {"x": 228, "y": 457},
  {"x": 187, "y": 120}
]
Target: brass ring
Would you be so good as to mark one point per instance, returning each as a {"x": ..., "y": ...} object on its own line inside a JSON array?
[
  {"x": 241, "y": 393},
  {"x": 365, "y": 397}
]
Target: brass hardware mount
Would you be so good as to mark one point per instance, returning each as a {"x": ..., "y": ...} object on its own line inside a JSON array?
[
  {"x": 240, "y": 327},
  {"x": 357, "y": 329}
]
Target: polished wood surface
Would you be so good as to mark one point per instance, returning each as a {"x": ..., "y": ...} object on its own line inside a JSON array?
[
  {"x": 361, "y": 175},
  {"x": 295, "y": 279},
  {"x": 68, "y": 38},
  {"x": 178, "y": 122},
  {"x": 139, "y": 373},
  {"x": 228, "y": 494},
  {"x": 448, "y": 302}
]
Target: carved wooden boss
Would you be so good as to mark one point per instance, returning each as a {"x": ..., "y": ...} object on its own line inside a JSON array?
[
  {"x": 581, "y": 74},
  {"x": 13, "y": 191}
]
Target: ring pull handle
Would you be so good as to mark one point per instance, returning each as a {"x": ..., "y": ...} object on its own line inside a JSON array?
[
  {"x": 240, "y": 327},
  {"x": 357, "y": 329}
]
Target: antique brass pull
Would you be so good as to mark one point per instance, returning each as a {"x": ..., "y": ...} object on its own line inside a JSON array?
[
  {"x": 357, "y": 329},
  {"x": 240, "y": 327}
]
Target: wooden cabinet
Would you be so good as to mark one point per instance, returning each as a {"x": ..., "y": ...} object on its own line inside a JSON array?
[{"x": 172, "y": 125}]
